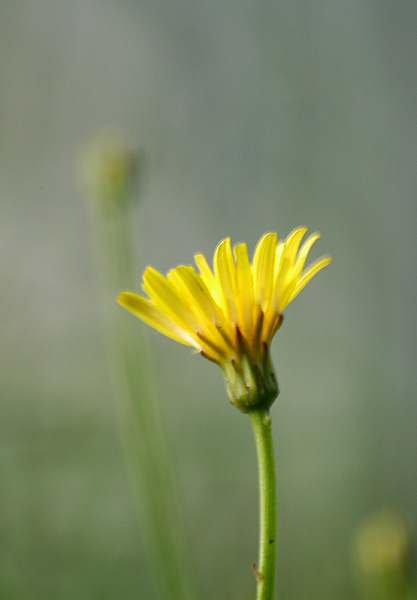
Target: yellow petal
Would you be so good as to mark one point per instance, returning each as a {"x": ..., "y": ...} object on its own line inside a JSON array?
[
  {"x": 225, "y": 273},
  {"x": 278, "y": 257},
  {"x": 147, "y": 311},
  {"x": 293, "y": 241},
  {"x": 309, "y": 273},
  {"x": 263, "y": 268},
  {"x": 207, "y": 275},
  {"x": 165, "y": 297},
  {"x": 286, "y": 264},
  {"x": 295, "y": 271},
  {"x": 207, "y": 310},
  {"x": 302, "y": 255},
  {"x": 195, "y": 294},
  {"x": 244, "y": 290}
]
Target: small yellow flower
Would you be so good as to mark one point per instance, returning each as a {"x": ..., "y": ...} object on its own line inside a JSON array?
[{"x": 231, "y": 313}]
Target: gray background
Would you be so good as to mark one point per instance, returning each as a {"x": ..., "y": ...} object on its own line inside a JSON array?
[{"x": 252, "y": 116}]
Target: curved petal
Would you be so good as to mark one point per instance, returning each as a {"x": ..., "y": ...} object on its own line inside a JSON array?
[
  {"x": 309, "y": 273},
  {"x": 293, "y": 241},
  {"x": 295, "y": 272},
  {"x": 289, "y": 252},
  {"x": 195, "y": 294},
  {"x": 278, "y": 257},
  {"x": 263, "y": 269},
  {"x": 244, "y": 290},
  {"x": 304, "y": 251},
  {"x": 208, "y": 278},
  {"x": 166, "y": 298},
  {"x": 225, "y": 273},
  {"x": 144, "y": 309}
]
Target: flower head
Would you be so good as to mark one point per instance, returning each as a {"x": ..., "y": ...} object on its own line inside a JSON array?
[{"x": 230, "y": 313}]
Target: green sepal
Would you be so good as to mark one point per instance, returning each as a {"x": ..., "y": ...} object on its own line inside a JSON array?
[{"x": 251, "y": 384}]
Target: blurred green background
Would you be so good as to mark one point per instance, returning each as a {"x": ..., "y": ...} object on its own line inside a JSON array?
[{"x": 250, "y": 116}]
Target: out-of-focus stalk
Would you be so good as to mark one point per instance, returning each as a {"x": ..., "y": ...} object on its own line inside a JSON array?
[{"x": 109, "y": 172}]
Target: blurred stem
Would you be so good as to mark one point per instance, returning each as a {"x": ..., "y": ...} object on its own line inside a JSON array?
[
  {"x": 265, "y": 568},
  {"x": 143, "y": 434}
]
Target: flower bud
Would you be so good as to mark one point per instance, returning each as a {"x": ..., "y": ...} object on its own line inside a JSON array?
[
  {"x": 383, "y": 557},
  {"x": 109, "y": 169}
]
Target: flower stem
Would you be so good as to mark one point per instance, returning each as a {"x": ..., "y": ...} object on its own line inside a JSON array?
[
  {"x": 162, "y": 526},
  {"x": 265, "y": 568},
  {"x": 153, "y": 477}
]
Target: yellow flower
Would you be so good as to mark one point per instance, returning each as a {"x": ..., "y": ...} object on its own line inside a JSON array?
[{"x": 231, "y": 313}]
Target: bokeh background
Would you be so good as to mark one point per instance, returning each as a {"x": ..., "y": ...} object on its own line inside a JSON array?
[{"x": 250, "y": 116}]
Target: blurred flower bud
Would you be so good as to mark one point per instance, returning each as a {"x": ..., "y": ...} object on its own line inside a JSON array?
[
  {"x": 108, "y": 170},
  {"x": 383, "y": 557}
]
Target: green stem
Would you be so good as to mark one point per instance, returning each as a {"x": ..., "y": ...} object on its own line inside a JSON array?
[
  {"x": 141, "y": 419},
  {"x": 265, "y": 568}
]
